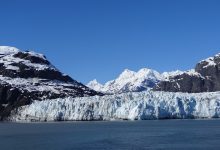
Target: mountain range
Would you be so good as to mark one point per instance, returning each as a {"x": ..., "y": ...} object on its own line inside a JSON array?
[
  {"x": 32, "y": 89},
  {"x": 129, "y": 81},
  {"x": 204, "y": 78}
]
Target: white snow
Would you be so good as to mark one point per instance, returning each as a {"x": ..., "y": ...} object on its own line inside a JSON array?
[
  {"x": 131, "y": 106},
  {"x": 217, "y": 55},
  {"x": 210, "y": 61},
  {"x": 129, "y": 81},
  {"x": 170, "y": 75},
  {"x": 36, "y": 84},
  {"x": 7, "y": 50},
  {"x": 36, "y": 54},
  {"x": 95, "y": 85},
  {"x": 10, "y": 67},
  {"x": 143, "y": 80},
  {"x": 7, "y": 58},
  {"x": 167, "y": 75}
]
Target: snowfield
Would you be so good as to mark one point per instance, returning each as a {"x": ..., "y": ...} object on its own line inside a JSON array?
[{"x": 126, "y": 106}]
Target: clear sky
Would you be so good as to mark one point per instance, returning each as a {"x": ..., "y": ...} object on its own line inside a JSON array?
[{"x": 90, "y": 39}]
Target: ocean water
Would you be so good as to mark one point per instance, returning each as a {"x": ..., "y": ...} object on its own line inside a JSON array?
[{"x": 117, "y": 135}]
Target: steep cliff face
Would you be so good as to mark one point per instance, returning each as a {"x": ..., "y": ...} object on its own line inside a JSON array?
[
  {"x": 210, "y": 69},
  {"x": 27, "y": 76},
  {"x": 205, "y": 78}
]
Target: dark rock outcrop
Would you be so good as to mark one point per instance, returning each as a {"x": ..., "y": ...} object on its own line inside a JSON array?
[
  {"x": 205, "y": 78},
  {"x": 28, "y": 76},
  {"x": 210, "y": 69},
  {"x": 33, "y": 59}
]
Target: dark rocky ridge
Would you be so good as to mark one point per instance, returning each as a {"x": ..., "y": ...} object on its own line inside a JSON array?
[
  {"x": 28, "y": 76},
  {"x": 206, "y": 78}
]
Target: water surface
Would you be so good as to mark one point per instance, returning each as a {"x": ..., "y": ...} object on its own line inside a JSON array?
[{"x": 127, "y": 135}]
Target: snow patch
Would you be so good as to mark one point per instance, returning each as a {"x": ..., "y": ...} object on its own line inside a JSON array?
[
  {"x": 167, "y": 75},
  {"x": 7, "y": 58},
  {"x": 210, "y": 61},
  {"x": 37, "y": 55},
  {"x": 95, "y": 85},
  {"x": 7, "y": 50},
  {"x": 10, "y": 67}
]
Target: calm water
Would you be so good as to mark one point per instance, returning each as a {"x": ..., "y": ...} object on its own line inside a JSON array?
[{"x": 164, "y": 134}]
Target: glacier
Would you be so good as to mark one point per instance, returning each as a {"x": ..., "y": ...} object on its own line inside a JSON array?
[{"x": 146, "y": 105}]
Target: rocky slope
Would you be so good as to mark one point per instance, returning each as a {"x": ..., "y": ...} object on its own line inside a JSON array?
[
  {"x": 26, "y": 76},
  {"x": 204, "y": 78},
  {"x": 129, "y": 81}
]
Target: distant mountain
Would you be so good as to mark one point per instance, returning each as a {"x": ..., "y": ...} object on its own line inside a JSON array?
[
  {"x": 95, "y": 85},
  {"x": 26, "y": 76},
  {"x": 204, "y": 78},
  {"x": 129, "y": 81}
]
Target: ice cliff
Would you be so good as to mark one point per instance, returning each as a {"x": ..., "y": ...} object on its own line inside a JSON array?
[{"x": 126, "y": 106}]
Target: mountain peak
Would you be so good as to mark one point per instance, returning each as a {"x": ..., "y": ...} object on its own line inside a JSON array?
[
  {"x": 129, "y": 81},
  {"x": 126, "y": 74},
  {"x": 94, "y": 81},
  {"x": 127, "y": 71},
  {"x": 217, "y": 55},
  {"x": 144, "y": 71},
  {"x": 211, "y": 61},
  {"x": 95, "y": 85},
  {"x": 149, "y": 73},
  {"x": 204, "y": 77},
  {"x": 7, "y": 50}
]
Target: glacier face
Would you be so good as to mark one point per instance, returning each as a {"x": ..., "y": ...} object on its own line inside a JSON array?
[{"x": 126, "y": 106}]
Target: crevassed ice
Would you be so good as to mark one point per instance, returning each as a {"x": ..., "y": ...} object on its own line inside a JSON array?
[{"x": 131, "y": 106}]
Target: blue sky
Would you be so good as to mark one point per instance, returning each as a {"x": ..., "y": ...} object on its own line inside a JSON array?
[{"x": 90, "y": 39}]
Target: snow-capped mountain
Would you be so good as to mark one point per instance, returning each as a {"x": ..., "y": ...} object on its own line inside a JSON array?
[
  {"x": 27, "y": 76},
  {"x": 126, "y": 106},
  {"x": 95, "y": 85},
  {"x": 129, "y": 81},
  {"x": 204, "y": 78}
]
